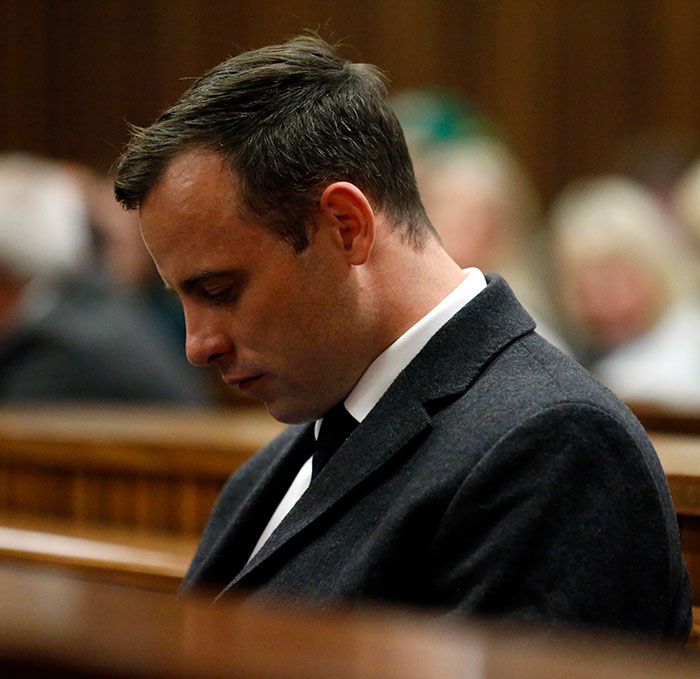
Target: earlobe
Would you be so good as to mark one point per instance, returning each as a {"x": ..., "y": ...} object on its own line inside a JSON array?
[{"x": 351, "y": 217}]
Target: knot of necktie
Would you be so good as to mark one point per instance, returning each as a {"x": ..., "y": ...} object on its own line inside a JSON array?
[{"x": 336, "y": 426}]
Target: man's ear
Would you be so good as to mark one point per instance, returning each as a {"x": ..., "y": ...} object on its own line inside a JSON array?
[{"x": 347, "y": 210}]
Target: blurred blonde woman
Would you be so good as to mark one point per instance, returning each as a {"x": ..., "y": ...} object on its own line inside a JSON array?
[
  {"x": 686, "y": 202},
  {"x": 626, "y": 288}
]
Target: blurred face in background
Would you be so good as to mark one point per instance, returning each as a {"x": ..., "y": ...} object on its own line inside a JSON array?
[
  {"x": 464, "y": 209},
  {"x": 613, "y": 298}
]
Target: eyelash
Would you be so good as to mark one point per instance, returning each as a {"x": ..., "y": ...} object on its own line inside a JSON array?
[{"x": 220, "y": 297}]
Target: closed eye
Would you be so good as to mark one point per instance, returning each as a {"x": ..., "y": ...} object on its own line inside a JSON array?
[
  {"x": 216, "y": 287},
  {"x": 221, "y": 296}
]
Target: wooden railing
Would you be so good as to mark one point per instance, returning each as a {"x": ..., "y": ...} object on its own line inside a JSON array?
[
  {"x": 118, "y": 494},
  {"x": 122, "y": 494},
  {"x": 149, "y": 469},
  {"x": 149, "y": 559},
  {"x": 56, "y": 627},
  {"x": 657, "y": 417}
]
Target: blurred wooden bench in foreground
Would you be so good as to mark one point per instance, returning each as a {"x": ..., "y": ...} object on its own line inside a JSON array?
[{"x": 62, "y": 627}]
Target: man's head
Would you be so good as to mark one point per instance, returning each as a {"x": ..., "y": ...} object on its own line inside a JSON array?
[
  {"x": 290, "y": 328},
  {"x": 289, "y": 119},
  {"x": 278, "y": 202}
]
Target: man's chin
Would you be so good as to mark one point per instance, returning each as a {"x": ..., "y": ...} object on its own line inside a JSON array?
[{"x": 290, "y": 413}]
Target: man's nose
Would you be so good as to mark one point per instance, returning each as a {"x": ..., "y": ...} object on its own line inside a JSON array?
[{"x": 204, "y": 343}]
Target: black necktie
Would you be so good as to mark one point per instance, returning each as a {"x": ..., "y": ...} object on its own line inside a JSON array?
[{"x": 335, "y": 428}]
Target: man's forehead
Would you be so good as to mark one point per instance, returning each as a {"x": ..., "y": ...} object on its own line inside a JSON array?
[
  {"x": 196, "y": 166},
  {"x": 196, "y": 186}
]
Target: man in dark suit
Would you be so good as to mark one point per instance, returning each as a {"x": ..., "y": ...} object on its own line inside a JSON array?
[
  {"x": 66, "y": 334},
  {"x": 479, "y": 471}
]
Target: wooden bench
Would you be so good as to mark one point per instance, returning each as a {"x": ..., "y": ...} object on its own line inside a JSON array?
[
  {"x": 141, "y": 558},
  {"x": 680, "y": 457},
  {"x": 57, "y": 627},
  {"x": 657, "y": 417},
  {"x": 153, "y": 469},
  {"x": 116, "y": 493},
  {"x": 123, "y": 494}
]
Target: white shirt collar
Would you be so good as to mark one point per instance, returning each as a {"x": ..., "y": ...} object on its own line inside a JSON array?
[{"x": 387, "y": 366}]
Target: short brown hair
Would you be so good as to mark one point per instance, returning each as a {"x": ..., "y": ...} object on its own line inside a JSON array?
[{"x": 289, "y": 119}]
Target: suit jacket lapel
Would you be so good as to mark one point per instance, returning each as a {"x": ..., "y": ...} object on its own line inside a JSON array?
[
  {"x": 446, "y": 367},
  {"x": 235, "y": 544},
  {"x": 465, "y": 346},
  {"x": 379, "y": 438}
]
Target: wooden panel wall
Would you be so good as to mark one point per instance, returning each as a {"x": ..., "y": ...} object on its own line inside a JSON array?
[{"x": 566, "y": 80}]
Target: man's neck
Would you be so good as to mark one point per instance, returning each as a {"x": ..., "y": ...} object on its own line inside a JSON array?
[
  {"x": 387, "y": 366},
  {"x": 410, "y": 282}
]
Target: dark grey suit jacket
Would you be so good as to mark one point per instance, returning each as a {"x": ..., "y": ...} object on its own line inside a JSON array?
[{"x": 495, "y": 477}]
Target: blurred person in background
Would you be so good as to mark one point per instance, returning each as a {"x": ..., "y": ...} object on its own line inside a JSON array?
[
  {"x": 123, "y": 259},
  {"x": 434, "y": 118},
  {"x": 626, "y": 286},
  {"x": 64, "y": 333},
  {"x": 479, "y": 197},
  {"x": 686, "y": 200},
  {"x": 487, "y": 212},
  {"x": 657, "y": 158}
]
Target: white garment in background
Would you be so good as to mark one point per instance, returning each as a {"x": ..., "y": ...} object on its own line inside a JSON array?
[{"x": 663, "y": 364}]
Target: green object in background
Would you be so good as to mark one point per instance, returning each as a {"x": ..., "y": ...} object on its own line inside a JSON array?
[{"x": 433, "y": 117}]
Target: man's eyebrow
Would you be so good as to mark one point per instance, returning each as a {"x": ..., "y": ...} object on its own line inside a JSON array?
[{"x": 193, "y": 281}]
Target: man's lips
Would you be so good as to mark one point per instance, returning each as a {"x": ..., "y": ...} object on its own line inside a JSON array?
[{"x": 242, "y": 382}]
